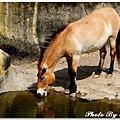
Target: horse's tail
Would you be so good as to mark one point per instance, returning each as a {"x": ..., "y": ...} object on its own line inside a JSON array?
[{"x": 118, "y": 48}]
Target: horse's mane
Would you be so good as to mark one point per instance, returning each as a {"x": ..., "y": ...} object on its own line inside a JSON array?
[{"x": 48, "y": 40}]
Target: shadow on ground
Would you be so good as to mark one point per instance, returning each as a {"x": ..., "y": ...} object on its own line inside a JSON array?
[{"x": 62, "y": 76}]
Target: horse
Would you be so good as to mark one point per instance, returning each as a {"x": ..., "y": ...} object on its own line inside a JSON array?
[{"x": 89, "y": 34}]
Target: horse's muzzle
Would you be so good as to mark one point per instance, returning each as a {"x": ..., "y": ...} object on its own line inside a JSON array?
[{"x": 41, "y": 93}]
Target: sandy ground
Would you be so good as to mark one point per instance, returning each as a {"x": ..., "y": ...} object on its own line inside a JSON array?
[
  {"x": 23, "y": 75},
  {"x": 89, "y": 88}
]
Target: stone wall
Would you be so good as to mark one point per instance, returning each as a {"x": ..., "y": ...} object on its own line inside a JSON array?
[{"x": 23, "y": 26}]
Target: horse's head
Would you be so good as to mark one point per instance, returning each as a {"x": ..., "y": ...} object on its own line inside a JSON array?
[{"x": 46, "y": 78}]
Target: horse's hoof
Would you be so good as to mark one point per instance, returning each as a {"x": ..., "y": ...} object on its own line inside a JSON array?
[
  {"x": 108, "y": 76},
  {"x": 95, "y": 76},
  {"x": 73, "y": 95},
  {"x": 67, "y": 91}
]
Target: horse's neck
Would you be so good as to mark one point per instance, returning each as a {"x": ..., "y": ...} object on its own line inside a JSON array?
[{"x": 53, "y": 53}]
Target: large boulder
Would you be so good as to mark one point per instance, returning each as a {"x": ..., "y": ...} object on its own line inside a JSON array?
[{"x": 5, "y": 61}]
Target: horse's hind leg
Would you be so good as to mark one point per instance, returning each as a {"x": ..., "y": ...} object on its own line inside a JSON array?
[
  {"x": 101, "y": 62},
  {"x": 72, "y": 70},
  {"x": 112, "y": 54}
]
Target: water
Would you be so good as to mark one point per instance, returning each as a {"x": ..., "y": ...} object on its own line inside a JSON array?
[{"x": 25, "y": 104}]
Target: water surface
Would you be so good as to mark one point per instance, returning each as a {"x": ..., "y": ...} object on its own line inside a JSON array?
[{"x": 25, "y": 104}]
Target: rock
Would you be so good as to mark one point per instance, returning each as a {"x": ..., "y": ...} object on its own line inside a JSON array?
[
  {"x": 24, "y": 26},
  {"x": 5, "y": 61},
  {"x": 67, "y": 91},
  {"x": 58, "y": 89},
  {"x": 73, "y": 95},
  {"x": 19, "y": 78}
]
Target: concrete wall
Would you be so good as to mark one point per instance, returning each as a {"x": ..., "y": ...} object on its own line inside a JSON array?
[{"x": 25, "y": 25}]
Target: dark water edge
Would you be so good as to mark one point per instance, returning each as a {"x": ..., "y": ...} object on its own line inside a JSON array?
[{"x": 25, "y": 104}]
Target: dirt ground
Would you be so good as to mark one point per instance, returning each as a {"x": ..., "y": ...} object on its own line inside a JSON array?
[
  {"x": 23, "y": 75},
  {"x": 87, "y": 87}
]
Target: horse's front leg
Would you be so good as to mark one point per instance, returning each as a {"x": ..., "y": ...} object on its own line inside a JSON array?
[{"x": 72, "y": 70}]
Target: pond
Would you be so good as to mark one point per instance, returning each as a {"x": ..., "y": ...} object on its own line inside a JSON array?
[{"x": 25, "y": 104}]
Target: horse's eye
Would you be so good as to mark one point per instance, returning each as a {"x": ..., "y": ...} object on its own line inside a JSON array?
[{"x": 42, "y": 78}]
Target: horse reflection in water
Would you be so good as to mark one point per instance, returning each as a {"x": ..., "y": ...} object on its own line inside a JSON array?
[
  {"x": 44, "y": 109},
  {"x": 89, "y": 34}
]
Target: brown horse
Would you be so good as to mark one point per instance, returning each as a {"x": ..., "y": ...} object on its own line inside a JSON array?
[{"x": 89, "y": 34}]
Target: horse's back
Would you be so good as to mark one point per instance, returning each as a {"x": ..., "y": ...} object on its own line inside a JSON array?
[
  {"x": 92, "y": 31},
  {"x": 111, "y": 18},
  {"x": 104, "y": 17}
]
